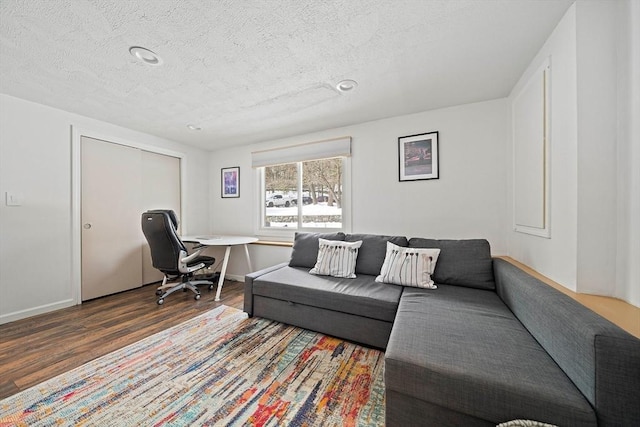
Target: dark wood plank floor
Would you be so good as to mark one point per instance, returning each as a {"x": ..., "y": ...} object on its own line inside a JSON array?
[{"x": 38, "y": 348}]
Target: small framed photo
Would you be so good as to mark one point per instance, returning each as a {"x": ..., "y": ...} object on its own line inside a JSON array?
[
  {"x": 231, "y": 182},
  {"x": 418, "y": 156}
]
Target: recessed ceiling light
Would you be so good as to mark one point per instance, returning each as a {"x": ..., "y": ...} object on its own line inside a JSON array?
[
  {"x": 145, "y": 55},
  {"x": 193, "y": 127},
  {"x": 346, "y": 85}
]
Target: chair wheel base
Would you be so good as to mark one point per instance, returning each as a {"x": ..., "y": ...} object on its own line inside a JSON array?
[
  {"x": 161, "y": 301},
  {"x": 196, "y": 297}
]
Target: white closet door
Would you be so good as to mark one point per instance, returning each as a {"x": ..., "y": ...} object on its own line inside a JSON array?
[
  {"x": 160, "y": 190},
  {"x": 111, "y": 234}
]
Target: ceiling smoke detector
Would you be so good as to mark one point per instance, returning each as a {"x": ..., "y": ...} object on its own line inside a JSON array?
[
  {"x": 346, "y": 85},
  {"x": 145, "y": 55}
]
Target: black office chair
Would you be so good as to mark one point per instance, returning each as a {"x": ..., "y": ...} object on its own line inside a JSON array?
[{"x": 170, "y": 256}]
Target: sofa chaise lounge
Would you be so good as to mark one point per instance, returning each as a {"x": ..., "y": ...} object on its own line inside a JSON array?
[{"x": 489, "y": 345}]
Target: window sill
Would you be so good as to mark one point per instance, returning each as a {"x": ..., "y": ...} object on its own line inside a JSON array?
[{"x": 273, "y": 243}]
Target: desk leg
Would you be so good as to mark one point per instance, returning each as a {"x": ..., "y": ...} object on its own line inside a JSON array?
[
  {"x": 222, "y": 272},
  {"x": 246, "y": 251}
]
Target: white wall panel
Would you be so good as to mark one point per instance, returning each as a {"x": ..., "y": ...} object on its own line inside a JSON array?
[{"x": 530, "y": 155}]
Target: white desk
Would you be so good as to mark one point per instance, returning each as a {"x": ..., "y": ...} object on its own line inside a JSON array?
[{"x": 227, "y": 241}]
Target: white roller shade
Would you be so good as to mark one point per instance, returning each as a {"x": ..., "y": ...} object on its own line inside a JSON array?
[{"x": 338, "y": 147}]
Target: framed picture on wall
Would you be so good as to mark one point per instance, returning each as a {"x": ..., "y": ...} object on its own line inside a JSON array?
[
  {"x": 231, "y": 182},
  {"x": 418, "y": 156}
]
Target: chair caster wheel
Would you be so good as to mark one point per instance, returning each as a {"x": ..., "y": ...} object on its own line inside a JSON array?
[
  {"x": 158, "y": 292},
  {"x": 197, "y": 297},
  {"x": 161, "y": 301},
  {"x": 210, "y": 287}
]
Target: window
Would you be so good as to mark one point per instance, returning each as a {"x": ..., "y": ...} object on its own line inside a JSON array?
[{"x": 308, "y": 194}]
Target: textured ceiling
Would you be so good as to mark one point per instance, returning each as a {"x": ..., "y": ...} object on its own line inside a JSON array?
[{"x": 249, "y": 70}]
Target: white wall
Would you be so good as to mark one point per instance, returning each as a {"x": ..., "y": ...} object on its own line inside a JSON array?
[
  {"x": 35, "y": 242},
  {"x": 555, "y": 257},
  {"x": 594, "y": 159},
  {"x": 596, "y": 40},
  {"x": 468, "y": 201},
  {"x": 595, "y": 164},
  {"x": 628, "y": 91}
]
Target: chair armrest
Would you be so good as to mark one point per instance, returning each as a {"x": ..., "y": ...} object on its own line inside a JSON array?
[{"x": 188, "y": 259}]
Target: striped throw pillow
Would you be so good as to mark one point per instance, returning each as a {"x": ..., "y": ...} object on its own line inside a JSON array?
[
  {"x": 409, "y": 266},
  {"x": 336, "y": 258}
]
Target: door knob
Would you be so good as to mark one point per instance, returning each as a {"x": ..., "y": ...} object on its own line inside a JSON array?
[{"x": 86, "y": 226}]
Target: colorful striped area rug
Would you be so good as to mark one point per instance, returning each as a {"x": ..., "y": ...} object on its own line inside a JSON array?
[{"x": 218, "y": 369}]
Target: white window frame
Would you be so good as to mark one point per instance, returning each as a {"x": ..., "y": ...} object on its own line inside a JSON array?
[{"x": 278, "y": 233}]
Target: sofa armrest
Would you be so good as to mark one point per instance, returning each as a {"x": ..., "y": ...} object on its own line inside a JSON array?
[
  {"x": 602, "y": 360},
  {"x": 248, "y": 285}
]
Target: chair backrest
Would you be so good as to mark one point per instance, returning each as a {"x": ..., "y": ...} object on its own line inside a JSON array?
[
  {"x": 159, "y": 228},
  {"x": 172, "y": 216}
]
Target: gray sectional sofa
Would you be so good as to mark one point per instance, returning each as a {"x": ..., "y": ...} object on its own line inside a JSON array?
[{"x": 489, "y": 345}]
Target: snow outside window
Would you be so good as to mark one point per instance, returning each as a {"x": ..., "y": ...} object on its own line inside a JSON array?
[{"x": 303, "y": 196}]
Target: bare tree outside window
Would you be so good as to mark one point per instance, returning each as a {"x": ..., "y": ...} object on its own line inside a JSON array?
[
  {"x": 319, "y": 205},
  {"x": 324, "y": 175}
]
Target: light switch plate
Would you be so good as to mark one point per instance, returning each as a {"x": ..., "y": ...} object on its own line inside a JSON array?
[{"x": 13, "y": 198}]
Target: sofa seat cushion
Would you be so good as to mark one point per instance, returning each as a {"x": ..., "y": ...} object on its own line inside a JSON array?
[
  {"x": 462, "y": 348},
  {"x": 361, "y": 296}
]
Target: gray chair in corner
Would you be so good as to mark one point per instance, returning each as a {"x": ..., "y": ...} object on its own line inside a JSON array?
[{"x": 170, "y": 256}]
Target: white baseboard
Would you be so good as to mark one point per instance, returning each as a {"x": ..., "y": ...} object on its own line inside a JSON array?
[
  {"x": 234, "y": 277},
  {"x": 23, "y": 314}
]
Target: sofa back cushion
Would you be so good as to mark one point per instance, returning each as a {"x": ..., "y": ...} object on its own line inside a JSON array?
[
  {"x": 461, "y": 262},
  {"x": 373, "y": 250},
  {"x": 305, "y": 248}
]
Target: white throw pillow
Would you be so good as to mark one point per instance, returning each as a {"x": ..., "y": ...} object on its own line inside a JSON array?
[
  {"x": 525, "y": 423},
  {"x": 336, "y": 258},
  {"x": 409, "y": 266}
]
